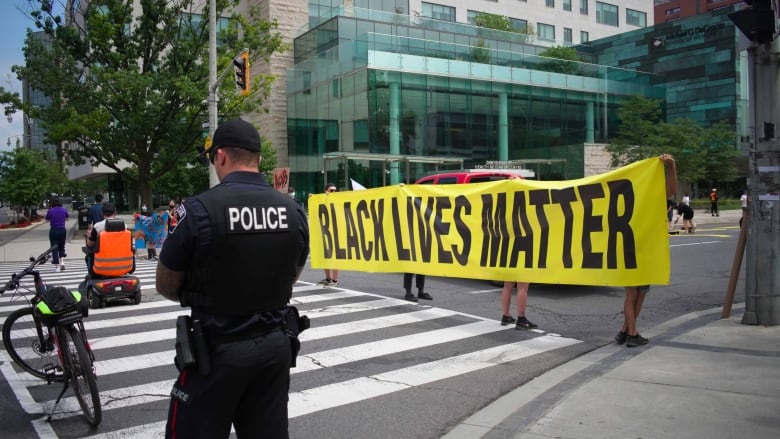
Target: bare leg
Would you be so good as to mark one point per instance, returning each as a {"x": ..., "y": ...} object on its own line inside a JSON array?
[
  {"x": 522, "y": 298},
  {"x": 506, "y": 297},
  {"x": 630, "y": 310}
]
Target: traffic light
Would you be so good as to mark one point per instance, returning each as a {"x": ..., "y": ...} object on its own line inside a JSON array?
[
  {"x": 241, "y": 70},
  {"x": 758, "y": 21}
]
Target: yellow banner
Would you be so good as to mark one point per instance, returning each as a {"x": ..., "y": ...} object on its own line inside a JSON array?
[{"x": 608, "y": 229}]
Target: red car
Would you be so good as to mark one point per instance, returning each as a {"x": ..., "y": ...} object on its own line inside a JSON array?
[{"x": 474, "y": 176}]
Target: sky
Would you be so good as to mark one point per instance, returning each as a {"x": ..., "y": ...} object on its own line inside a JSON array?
[{"x": 12, "y": 34}]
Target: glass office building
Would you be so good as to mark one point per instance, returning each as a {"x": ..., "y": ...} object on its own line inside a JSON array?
[{"x": 386, "y": 98}]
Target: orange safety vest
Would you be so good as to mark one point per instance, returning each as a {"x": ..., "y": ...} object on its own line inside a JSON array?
[
  {"x": 713, "y": 196},
  {"x": 114, "y": 256}
]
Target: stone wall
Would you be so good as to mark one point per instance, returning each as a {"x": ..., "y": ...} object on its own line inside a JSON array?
[
  {"x": 597, "y": 159},
  {"x": 291, "y": 15}
]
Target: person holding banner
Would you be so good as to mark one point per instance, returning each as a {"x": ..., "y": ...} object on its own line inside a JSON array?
[
  {"x": 635, "y": 295},
  {"x": 419, "y": 283},
  {"x": 521, "y": 300},
  {"x": 331, "y": 275}
]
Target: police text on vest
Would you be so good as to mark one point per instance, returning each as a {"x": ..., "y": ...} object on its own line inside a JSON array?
[{"x": 251, "y": 219}]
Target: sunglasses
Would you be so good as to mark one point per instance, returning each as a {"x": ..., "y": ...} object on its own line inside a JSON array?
[{"x": 212, "y": 153}]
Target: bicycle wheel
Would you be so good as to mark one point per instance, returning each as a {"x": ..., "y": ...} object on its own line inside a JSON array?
[
  {"x": 79, "y": 368},
  {"x": 21, "y": 341}
]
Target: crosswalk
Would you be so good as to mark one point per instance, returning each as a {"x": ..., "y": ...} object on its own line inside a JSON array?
[{"x": 360, "y": 347}]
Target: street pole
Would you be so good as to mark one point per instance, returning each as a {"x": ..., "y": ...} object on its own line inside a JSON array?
[
  {"x": 212, "y": 99},
  {"x": 762, "y": 286}
]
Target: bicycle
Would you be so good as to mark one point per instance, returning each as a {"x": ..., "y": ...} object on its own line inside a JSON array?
[{"x": 47, "y": 339}]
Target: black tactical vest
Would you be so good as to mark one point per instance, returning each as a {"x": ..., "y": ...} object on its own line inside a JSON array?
[{"x": 252, "y": 260}]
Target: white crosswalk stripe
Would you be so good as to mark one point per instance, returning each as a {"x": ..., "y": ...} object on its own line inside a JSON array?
[{"x": 133, "y": 347}]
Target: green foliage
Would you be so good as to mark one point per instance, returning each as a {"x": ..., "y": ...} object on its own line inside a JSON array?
[
  {"x": 269, "y": 161},
  {"x": 24, "y": 177},
  {"x": 480, "y": 52},
  {"x": 702, "y": 154},
  {"x": 493, "y": 21},
  {"x": 559, "y": 59},
  {"x": 128, "y": 87}
]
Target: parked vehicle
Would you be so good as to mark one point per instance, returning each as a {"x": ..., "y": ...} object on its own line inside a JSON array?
[{"x": 473, "y": 176}]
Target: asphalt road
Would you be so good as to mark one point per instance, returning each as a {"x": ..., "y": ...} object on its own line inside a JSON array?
[{"x": 701, "y": 266}]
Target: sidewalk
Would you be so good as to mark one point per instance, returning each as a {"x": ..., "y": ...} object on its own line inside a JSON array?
[
  {"x": 699, "y": 377},
  {"x": 35, "y": 240}
]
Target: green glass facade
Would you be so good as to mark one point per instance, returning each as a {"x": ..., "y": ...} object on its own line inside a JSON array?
[
  {"x": 375, "y": 83},
  {"x": 698, "y": 61}
]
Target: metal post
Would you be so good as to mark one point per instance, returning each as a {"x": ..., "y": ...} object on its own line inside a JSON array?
[{"x": 762, "y": 298}]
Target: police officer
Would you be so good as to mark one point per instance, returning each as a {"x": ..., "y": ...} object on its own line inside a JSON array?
[{"x": 233, "y": 257}]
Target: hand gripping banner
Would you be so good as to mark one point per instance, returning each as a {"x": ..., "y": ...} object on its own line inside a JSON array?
[{"x": 609, "y": 229}]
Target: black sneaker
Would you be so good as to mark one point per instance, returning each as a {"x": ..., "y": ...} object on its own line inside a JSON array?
[
  {"x": 324, "y": 282},
  {"x": 424, "y": 295},
  {"x": 633, "y": 341},
  {"x": 410, "y": 297},
  {"x": 621, "y": 336},
  {"x": 524, "y": 323},
  {"x": 507, "y": 320}
]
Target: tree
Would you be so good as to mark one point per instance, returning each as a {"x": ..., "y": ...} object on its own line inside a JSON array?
[
  {"x": 493, "y": 21},
  {"x": 24, "y": 177},
  {"x": 703, "y": 154},
  {"x": 560, "y": 59},
  {"x": 128, "y": 87}
]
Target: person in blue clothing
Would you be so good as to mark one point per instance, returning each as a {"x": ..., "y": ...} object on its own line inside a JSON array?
[
  {"x": 233, "y": 258},
  {"x": 95, "y": 213},
  {"x": 56, "y": 216}
]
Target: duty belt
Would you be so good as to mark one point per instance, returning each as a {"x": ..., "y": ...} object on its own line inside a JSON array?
[{"x": 219, "y": 339}]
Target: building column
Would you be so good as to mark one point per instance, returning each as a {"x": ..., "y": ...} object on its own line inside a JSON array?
[
  {"x": 503, "y": 127},
  {"x": 395, "y": 130},
  {"x": 589, "y": 123}
]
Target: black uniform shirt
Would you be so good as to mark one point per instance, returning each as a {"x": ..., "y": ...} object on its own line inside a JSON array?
[{"x": 193, "y": 234}]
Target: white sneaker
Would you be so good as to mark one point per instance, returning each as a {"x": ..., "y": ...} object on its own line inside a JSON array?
[{"x": 58, "y": 268}]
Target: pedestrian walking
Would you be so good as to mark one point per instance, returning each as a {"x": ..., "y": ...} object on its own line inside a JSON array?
[
  {"x": 419, "y": 283},
  {"x": 635, "y": 295},
  {"x": 237, "y": 277},
  {"x": 521, "y": 300},
  {"x": 57, "y": 216}
]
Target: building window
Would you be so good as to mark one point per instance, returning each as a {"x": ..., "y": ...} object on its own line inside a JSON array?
[
  {"x": 567, "y": 5},
  {"x": 584, "y": 36},
  {"x": 607, "y": 14},
  {"x": 673, "y": 11},
  {"x": 584, "y": 7},
  {"x": 636, "y": 18},
  {"x": 438, "y": 12},
  {"x": 549, "y": 3},
  {"x": 660, "y": 2},
  {"x": 567, "y": 35},
  {"x": 545, "y": 31},
  {"x": 521, "y": 26}
]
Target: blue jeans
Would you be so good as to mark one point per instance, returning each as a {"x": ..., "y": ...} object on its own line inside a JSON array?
[{"x": 57, "y": 237}]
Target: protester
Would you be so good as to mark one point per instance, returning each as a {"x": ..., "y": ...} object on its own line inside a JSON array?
[
  {"x": 520, "y": 302},
  {"x": 331, "y": 274},
  {"x": 419, "y": 283},
  {"x": 635, "y": 295}
]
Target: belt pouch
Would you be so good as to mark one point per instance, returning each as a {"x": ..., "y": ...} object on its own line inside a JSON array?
[{"x": 201, "y": 349}]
